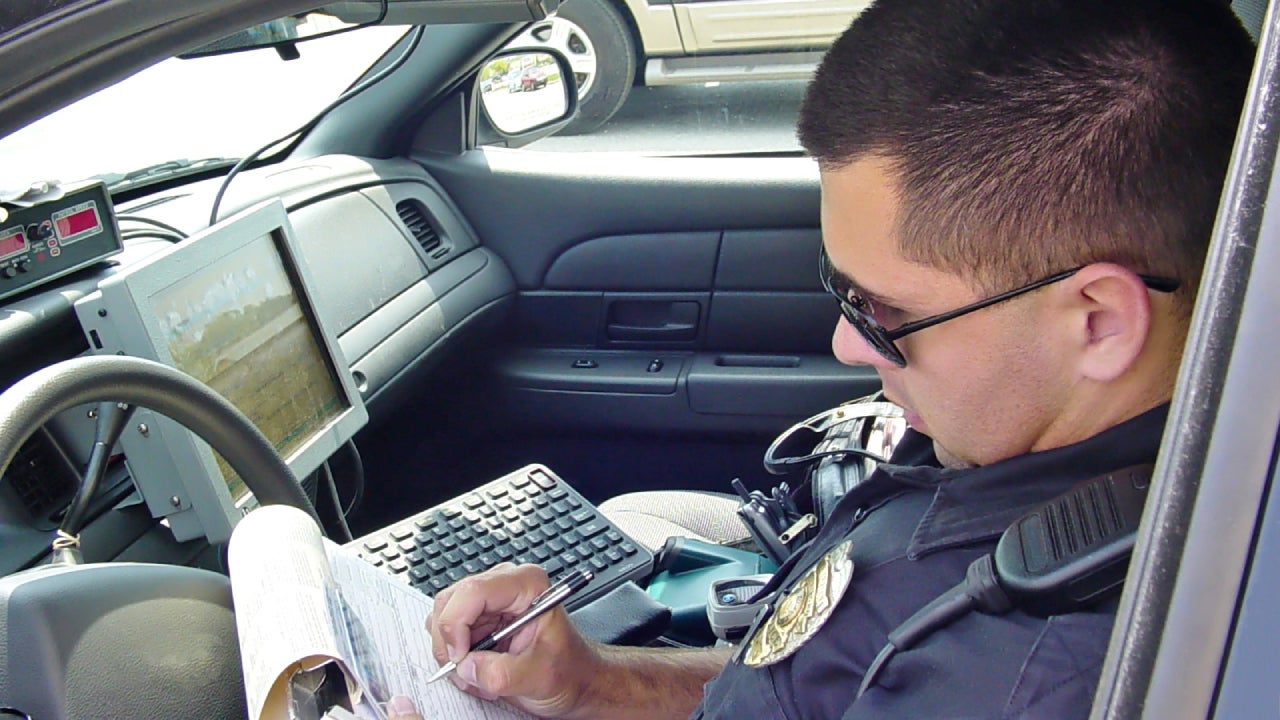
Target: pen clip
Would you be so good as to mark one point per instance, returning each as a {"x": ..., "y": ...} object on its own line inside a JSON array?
[{"x": 566, "y": 579}]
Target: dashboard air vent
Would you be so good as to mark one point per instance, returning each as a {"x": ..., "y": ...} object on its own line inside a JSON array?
[
  {"x": 415, "y": 217},
  {"x": 42, "y": 477}
]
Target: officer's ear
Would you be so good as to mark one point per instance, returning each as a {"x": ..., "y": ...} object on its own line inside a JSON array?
[{"x": 1112, "y": 318}]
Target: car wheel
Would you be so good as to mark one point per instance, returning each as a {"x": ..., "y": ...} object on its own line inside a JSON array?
[{"x": 595, "y": 38}]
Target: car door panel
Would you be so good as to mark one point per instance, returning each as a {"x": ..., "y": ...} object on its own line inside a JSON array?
[
  {"x": 669, "y": 301},
  {"x": 729, "y": 26}
]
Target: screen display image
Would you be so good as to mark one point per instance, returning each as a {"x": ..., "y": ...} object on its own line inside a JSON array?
[
  {"x": 238, "y": 326},
  {"x": 232, "y": 306}
]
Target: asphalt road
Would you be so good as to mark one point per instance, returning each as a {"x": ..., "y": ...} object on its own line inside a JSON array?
[{"x": 730, "y": 117}]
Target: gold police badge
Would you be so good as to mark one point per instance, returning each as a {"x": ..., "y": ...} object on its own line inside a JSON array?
[{"x": 803, "y": 610}]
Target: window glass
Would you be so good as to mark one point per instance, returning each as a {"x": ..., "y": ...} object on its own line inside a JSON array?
[
  {"x": 688, "y": 77},
  {"x": 184, "y": 110},
  {"x": 710, "y": 118}
]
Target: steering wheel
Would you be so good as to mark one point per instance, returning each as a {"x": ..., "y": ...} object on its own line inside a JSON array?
[{"x": 128, "y": 640}]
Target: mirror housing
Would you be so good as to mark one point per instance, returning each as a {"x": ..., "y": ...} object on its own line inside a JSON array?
[{"x": 524, "y": 94}]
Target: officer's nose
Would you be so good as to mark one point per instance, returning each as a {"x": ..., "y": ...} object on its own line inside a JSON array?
[{"x": 851, "y": 348}]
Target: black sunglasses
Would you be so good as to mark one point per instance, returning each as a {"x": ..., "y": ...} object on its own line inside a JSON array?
[{"x": 859, "y": 310}]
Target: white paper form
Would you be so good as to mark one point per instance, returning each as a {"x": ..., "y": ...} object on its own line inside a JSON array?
[
  {"x": 280, "y": 581},
  {"x": 392, "y": 648}
]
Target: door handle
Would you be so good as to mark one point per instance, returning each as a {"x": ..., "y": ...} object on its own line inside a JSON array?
[
  {"x": 652, "y": 333},
  {"x": 652, "y": 320}
]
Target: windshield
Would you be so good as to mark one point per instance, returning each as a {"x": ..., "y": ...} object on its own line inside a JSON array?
[{"x": 222, "y": 106}]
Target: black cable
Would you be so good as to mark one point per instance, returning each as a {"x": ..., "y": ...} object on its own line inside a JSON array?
[
  {"x": 979, "y": 590},
  {"x": 111, "y": 419},
  {"x": 167, "y": 237},
  {"x": 784, "y": 465},
  {"x": 337, "y": 503},
  {"x": 156, "y": 223},
  {"x": 315, "y": 119},
  {"x": 357, "y": 472}
]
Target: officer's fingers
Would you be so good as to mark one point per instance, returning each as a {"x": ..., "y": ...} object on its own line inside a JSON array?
[
  {"x": 401, "y": 708},
  {"x": 474, "y": 606},
  {"x": 542, "y": 671}
]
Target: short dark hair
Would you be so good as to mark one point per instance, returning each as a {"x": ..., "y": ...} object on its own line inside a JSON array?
[{"x": 1031, "y": 136}]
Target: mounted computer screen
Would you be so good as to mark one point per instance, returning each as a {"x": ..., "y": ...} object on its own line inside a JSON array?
[{"x": 231, "y": 307}]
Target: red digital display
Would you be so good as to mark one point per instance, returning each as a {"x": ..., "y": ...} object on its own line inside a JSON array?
[
  {"x": 77, "y": 222},
  {"x": 12, "y": 242}
]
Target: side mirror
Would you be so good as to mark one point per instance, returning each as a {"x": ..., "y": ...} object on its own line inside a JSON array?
[{"x": 525, "y": 95}]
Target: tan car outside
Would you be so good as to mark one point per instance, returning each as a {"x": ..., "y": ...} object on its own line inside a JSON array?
[{"x": 615, "y": 44}]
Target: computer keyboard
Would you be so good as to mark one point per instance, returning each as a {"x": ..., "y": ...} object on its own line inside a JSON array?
[{"x": 528, "y": 516}]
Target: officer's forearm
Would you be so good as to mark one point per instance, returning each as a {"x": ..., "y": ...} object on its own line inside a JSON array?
[{"x": 648, "y": 683}]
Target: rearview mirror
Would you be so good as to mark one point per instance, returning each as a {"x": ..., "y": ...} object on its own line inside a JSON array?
[{"x": 283, "y": 34}]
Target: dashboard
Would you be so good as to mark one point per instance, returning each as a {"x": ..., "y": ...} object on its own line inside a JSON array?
[{"x": 399, "y": 277}]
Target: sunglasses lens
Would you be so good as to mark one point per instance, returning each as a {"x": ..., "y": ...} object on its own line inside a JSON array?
[
  {"x": 881, "y": 344},
  {"x": 862, "y": 321}
]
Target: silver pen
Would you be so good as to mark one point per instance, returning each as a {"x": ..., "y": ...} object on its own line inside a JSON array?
[{"x": 560, "y": 591}]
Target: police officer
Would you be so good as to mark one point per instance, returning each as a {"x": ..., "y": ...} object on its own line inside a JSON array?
[{"x": 1017, "y": 197}]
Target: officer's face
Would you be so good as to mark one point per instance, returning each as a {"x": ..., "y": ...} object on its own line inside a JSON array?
[{"x": 985, "y": 386}]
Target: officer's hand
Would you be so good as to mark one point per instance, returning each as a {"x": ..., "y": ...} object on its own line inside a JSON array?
[
  {"x": 401, "y": 708},
  {"x": 542, "y": 668}
]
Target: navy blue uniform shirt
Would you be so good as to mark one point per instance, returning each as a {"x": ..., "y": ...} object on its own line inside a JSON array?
[{"x": 915, "y": 528}]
